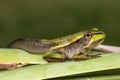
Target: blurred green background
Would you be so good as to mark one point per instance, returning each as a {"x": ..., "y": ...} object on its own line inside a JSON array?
[{"x": 55, "y": 18}]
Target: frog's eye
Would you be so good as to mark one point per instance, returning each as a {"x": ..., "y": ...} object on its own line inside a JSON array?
[{"x": 88, "y": 34}]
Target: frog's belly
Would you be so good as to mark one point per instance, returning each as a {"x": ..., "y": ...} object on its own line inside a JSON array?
[{"x": 70, "y": 54}]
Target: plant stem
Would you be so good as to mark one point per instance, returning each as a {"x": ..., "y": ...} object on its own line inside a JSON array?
[{"x": 108, "y": 48}]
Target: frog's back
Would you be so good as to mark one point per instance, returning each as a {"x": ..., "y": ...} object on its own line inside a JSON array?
[
  {"x": 64, "y": 41},
  {"x": 42, "y": 45},
  {"x": 31, "y": 45}
]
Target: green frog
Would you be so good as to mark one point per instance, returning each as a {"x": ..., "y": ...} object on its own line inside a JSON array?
[{"x": 72, "y": 47}]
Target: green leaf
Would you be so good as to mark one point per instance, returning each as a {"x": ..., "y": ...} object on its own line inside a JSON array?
[
  {"x": 98, "y": 77},
  {"x": 19, "y": 56},
  {"x": 53, "y": 70}
]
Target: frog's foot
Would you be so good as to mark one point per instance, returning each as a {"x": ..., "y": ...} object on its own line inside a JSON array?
[
  {"x": 84, "y": 57},
  {"x": 80, "y": 57},
  {"x": 55, "y": 56},
  {"x": 94, "y": 56}
]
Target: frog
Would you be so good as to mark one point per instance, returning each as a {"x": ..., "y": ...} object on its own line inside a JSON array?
[{"x": 73, "y": 47}]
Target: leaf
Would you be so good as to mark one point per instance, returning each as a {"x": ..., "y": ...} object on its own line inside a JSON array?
[
  {"x": 19, "y": 56},
  {"x": 53, "y": 70},
  {"x": 98, "y": 77}
]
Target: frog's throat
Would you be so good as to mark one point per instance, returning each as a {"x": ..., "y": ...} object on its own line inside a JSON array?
[{"x": 95, "y": 43}]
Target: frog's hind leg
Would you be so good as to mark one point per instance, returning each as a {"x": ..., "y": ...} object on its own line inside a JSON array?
[{"x": 55, "y": 56}]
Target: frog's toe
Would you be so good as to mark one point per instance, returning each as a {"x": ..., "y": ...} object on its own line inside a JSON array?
[{"x": 94, "y": 56}]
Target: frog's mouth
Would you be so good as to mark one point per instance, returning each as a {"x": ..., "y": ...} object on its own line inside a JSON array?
[{"x": 96, "y": 43}]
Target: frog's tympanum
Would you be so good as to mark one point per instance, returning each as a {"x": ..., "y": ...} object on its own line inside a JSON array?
[{"x": 72, "y": 47}]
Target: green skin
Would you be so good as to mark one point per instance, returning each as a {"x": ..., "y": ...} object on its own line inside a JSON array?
[{"x": 72, "y": 47}]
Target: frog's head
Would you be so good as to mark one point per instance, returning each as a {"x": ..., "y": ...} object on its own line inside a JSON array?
[
  {"x": 95, "y": 37},
  {"x": 87, "y": 39}
]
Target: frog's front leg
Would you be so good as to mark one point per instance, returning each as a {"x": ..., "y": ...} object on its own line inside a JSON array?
[
  {"x": 81, "y": 56},
  {"x": 55, "y": 56}
]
